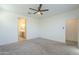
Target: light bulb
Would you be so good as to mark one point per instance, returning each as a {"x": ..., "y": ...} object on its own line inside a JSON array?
[{"x": 38, "y": 13}]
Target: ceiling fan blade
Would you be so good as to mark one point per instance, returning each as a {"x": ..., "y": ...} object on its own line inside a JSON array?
[
  {"x": 33, "y": 9},
  {"x": 39, "y": 6},
  {"x": 44, "y": 10},
  {"x": 34, "y": 12}
]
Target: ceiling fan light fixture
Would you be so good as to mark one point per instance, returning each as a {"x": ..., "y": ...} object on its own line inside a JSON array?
[{"x": 39, "y": 13}]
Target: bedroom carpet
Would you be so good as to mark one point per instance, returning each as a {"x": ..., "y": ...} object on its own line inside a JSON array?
[{"x": 38, "y": 46}]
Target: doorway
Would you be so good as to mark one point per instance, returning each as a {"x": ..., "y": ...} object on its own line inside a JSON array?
[
  {"x": 71, "y": 32},
  {"x": 21, "y": 29}
]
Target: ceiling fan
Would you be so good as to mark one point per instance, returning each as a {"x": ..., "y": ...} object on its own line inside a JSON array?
[{"x": 39, "y": 10}]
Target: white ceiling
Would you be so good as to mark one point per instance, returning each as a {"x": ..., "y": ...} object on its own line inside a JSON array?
[{"x": 53, "y": 8}]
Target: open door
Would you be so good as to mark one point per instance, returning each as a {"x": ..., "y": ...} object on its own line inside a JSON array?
[{"x": 21, "y": 29}]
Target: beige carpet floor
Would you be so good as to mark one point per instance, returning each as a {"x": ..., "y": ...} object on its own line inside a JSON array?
[{"x": 38, "y": 46}]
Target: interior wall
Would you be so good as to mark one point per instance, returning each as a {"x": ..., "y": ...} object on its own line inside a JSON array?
[
  {"x": 54, "y": 27},
  {"x": 32, "y": 28},
  {"x": 9, "y": 30},
  {"x": 8, "y": 27}
]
